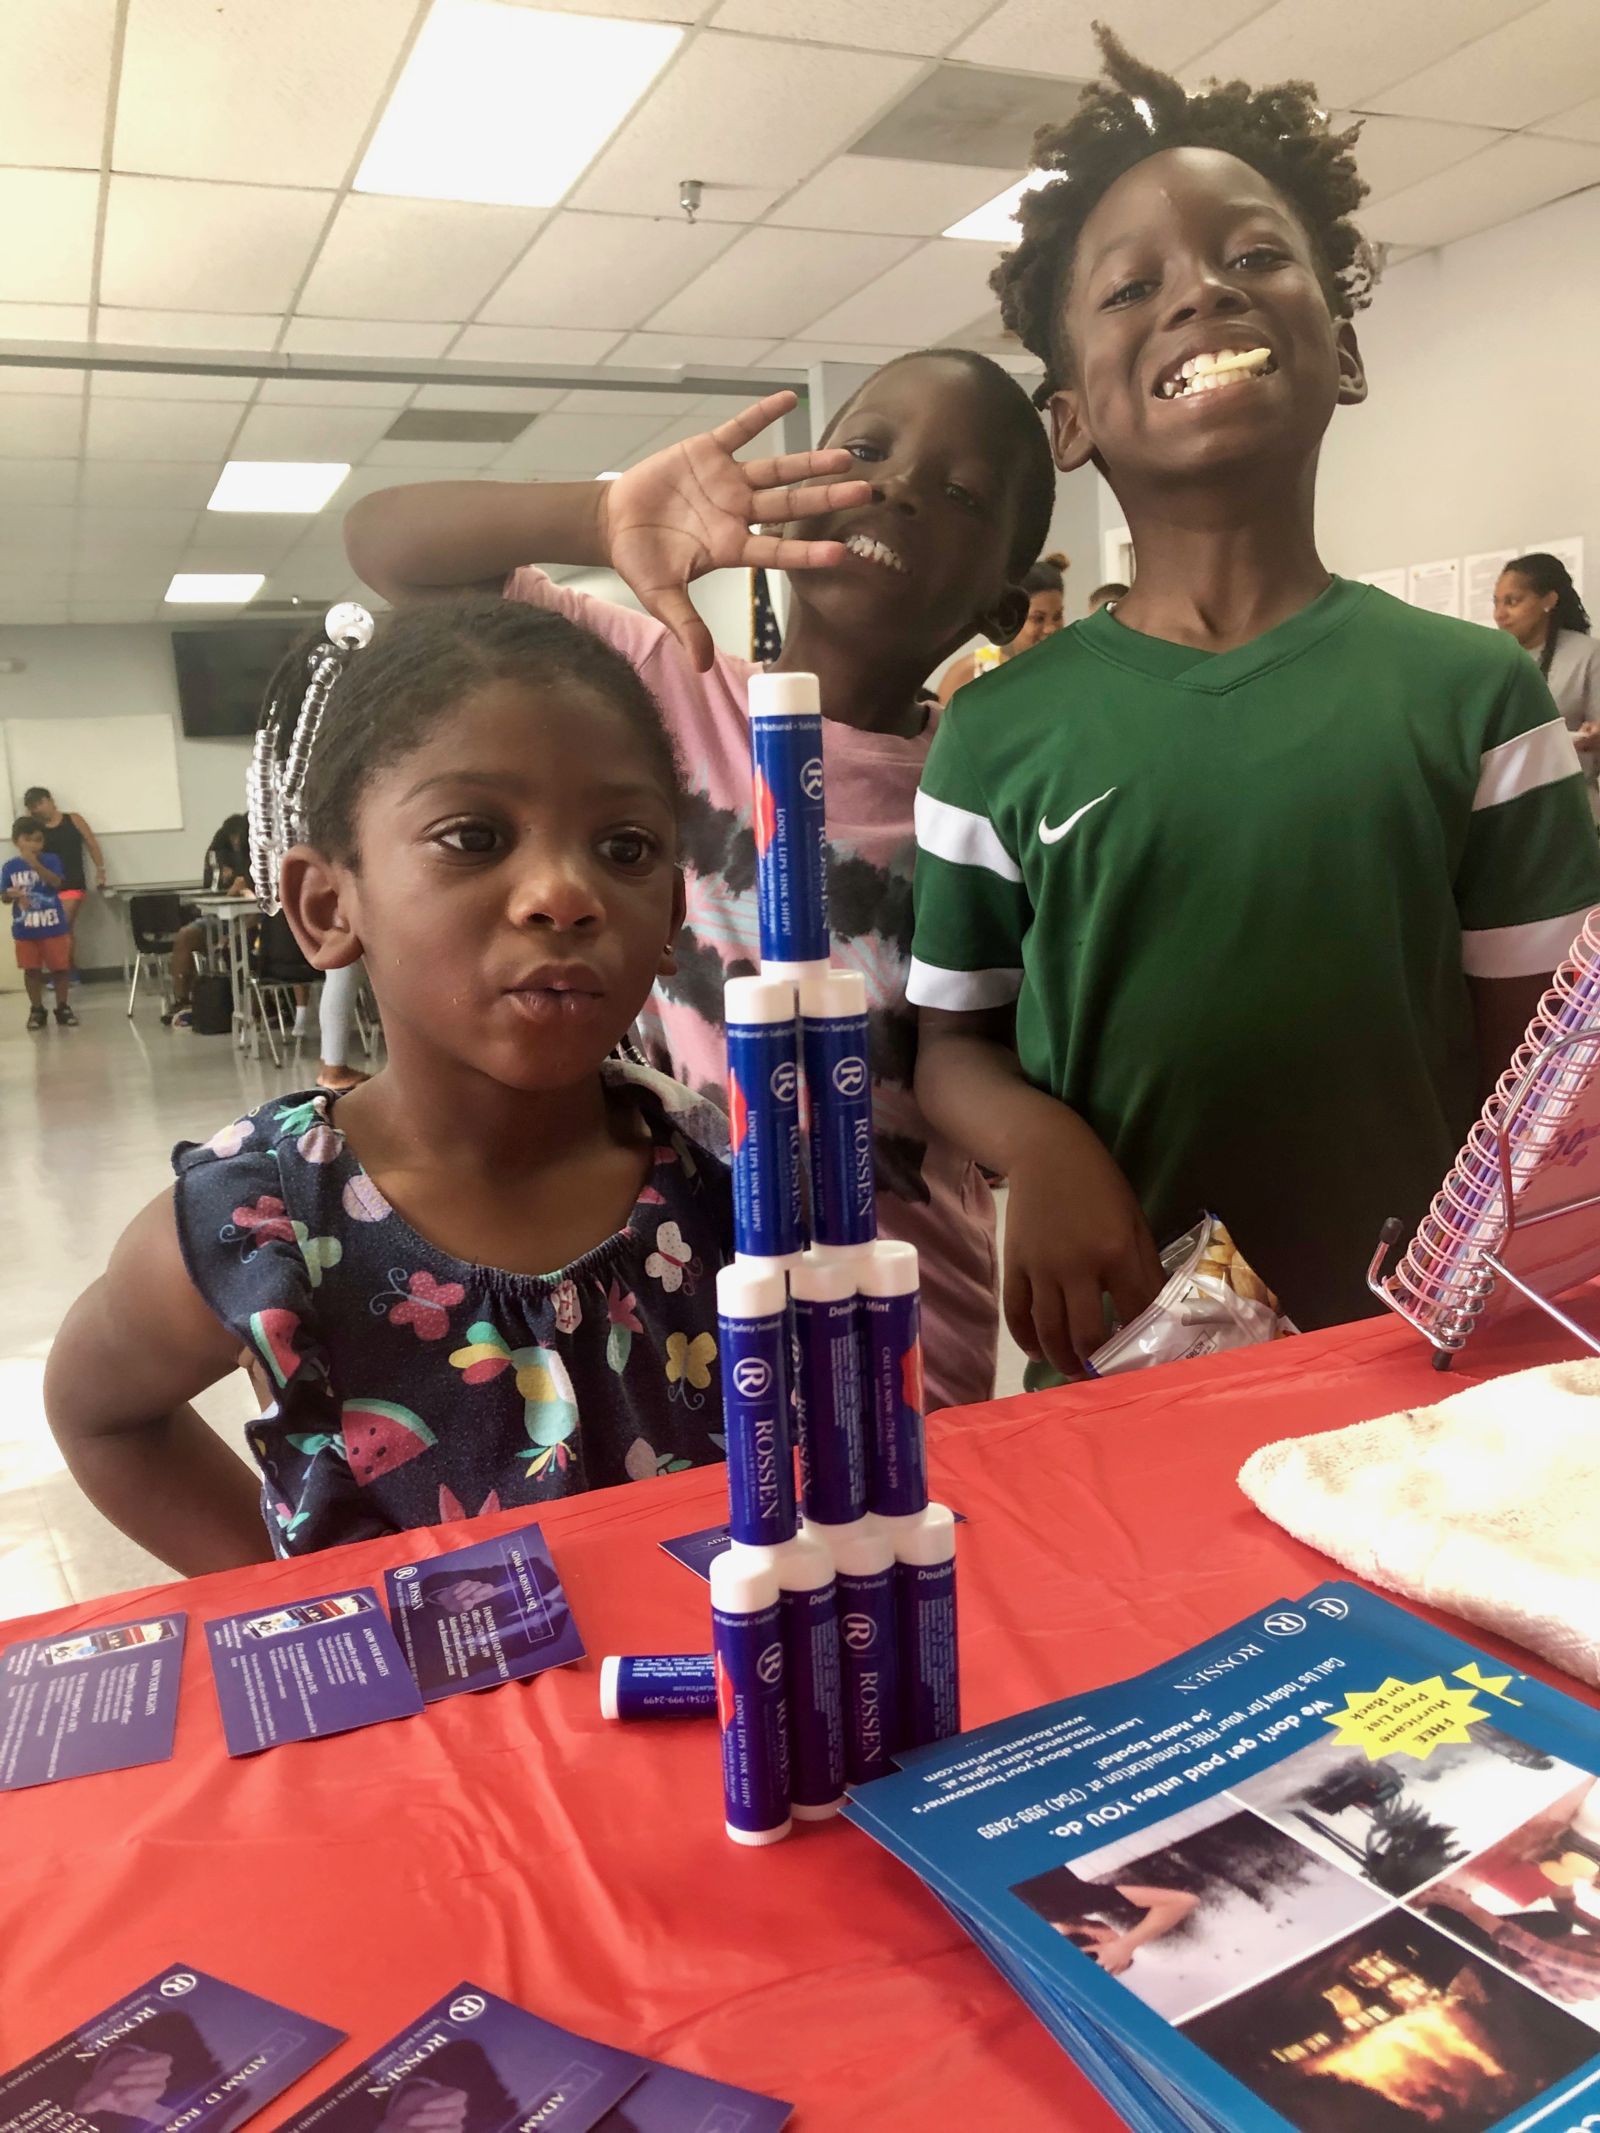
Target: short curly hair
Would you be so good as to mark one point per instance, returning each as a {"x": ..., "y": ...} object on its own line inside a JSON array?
[{"x": 1133, "y": 112}]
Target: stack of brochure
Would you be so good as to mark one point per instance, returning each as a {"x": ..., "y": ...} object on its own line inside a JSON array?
[{"x": 1334, "y": 1870}]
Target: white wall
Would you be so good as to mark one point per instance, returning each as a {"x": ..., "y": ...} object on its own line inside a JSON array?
[
  {"x": 1483, "y": 424},
  {"x": 106, "y": 672}
]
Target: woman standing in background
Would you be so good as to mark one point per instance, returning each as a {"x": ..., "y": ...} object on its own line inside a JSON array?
[
  {"x": 69, "y": 837},
  {"x": 1536, "y": 600},
  {"x": 1046, "y": 600}
]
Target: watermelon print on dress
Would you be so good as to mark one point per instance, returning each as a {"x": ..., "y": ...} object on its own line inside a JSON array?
[{"x": 414, "y": 1387}]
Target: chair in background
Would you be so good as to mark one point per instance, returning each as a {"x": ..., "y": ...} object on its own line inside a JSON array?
[
  {"x": 154, "y": 919},
  {"x": 277, "y": 969}
]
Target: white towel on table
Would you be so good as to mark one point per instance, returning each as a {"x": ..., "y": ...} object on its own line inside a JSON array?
[{"x": 1487, "y": 1505}]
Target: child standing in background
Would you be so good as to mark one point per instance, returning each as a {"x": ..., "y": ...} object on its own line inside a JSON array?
[
  {"x": 70, "y": 839},
  {"x": 1239, "y": 894},
  {"x": 1045, "y": 586},
  {"x": 40, "y": 933},
  {"x": 900, "y": 569},
  {"x": 486, "y": 1276}
]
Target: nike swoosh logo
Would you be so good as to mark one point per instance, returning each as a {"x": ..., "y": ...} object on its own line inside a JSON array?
[{"x": 1047, "y": 835}]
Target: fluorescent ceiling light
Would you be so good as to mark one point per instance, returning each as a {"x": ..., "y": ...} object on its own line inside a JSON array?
[
  {"x": 508, "y": 105},
  {"x": 302, "y": 485},
  {"x": 994, "y": 222},
  {"x": 213, "y": 588},
  {"x": 613, "y": 475}
]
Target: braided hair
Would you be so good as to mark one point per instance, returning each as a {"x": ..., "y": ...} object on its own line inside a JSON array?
[
  {"x": 1548, "y": 574},
  {"x": 1133, "y": 112}
]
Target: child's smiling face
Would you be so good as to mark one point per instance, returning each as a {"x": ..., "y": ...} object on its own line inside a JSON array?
[
  {"x": 516, "y": 891},
  {"x": 1194, "y": 255}
]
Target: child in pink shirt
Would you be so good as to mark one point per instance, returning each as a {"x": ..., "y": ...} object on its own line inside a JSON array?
[{"x": 897, "y": 571}]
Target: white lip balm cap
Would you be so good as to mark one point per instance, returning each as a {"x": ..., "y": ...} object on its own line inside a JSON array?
[
  {"x": 928, "y": 1539},
  {"x": 751, "y": 1289},
  {"x": 889, "y": 1270},
  {"x": 859, "y": 1550},
  {"x": 822, "y": 1281},
  {"x": 758, "y": 1000},
  {"x": 829, "y": 995},
  {"x": 782, "y": 695},
  {"x": 743, "y": 1580},
  {"x": 608, "y": 1686},
  {"x": 802, "y": 1564}
]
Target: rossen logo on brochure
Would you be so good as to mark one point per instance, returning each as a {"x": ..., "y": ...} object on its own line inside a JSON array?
[{"x": 1331, "y": 1873}]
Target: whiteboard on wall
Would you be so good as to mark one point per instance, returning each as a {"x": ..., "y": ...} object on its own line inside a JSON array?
[{"x": 120, "y": 774}]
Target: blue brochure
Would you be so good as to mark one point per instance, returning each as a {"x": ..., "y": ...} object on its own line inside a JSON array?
[
  {"x": 1334, "y": 1870},
  {"x": 478, "y": 1616},
  {"x": 104, "y": 1699}
]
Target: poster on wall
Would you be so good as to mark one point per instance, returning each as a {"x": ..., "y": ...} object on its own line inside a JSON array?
[
  {"x": 1482, "y": 574},
  {"x": 1567, "y": 548},
  {"x": 1436, "y": 587},
  {"x": 1392, "y": 582}
]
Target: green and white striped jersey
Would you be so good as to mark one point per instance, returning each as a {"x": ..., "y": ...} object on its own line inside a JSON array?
[{"x": 1236, "y": 897}]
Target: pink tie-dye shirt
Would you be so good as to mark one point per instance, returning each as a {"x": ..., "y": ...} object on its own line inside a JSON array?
[{"x": 928, "y": 1193}]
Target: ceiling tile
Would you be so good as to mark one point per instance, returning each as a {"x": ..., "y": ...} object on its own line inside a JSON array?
[
  {"x": 31, "y": 378},
  {"x": 924, "y": 26},
  {"x": 883, "y": 193},
  {"x": 174, "y": 245},
  {"x": 796, "y": 355},
  {"x": 604, "y": 270},
  {"x": 1349, "y": 50},
  {"x": 1044, "y": 37},
  {"x": 169, "y": 385},
  {"x": 597, "y": 401},
  {"x": 39, "y": 426},
  {"x": 48, "y": 217},
  {"x": 1522, "y": 71},
  {"x": 368, "y": 337},
  {"x": 37, "y": 481},
  {"x": 532, "y": 344},
  {"x": 309, "y": 432},
  {"x": 747, "y": 114},
  {"x": 413, "y": 259},
  {"x": 34, "y": 607},
  {"x": 122, "y": 484},
  {"x": 98, "y": 613},
  {"x": 42, "y": 528},
  {"x": 230, "y": 92},
  {"x": 771, "y": 281},
  {"x": 44, "y": 322},
  {"x": 247, "y": 333},
  {"x": 213, "y": 545},
  {"x": 923, "y": 298},
  {"x": 1582, "y": 123},
  {"x": 333, "y": 392},
  {"x": 519, "y": 399},
  {"x": 54, "y": 81},
  {"x": 430, "y": 462},
  {"x": 291, "y": 581},
  {"x": 159, "y": 429},
  {"x": 1521, "y": 172},
  {"x": 134, "y": 536},
  {"x": 672, "y": 351},
  {"x": 1396, "y": 152},
  {"x": 579, "y": 446}
]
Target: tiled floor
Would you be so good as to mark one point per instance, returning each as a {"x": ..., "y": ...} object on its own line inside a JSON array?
[{"x": 87, "y": 1122}]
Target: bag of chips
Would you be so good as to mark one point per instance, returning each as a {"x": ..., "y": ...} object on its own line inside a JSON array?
[{"x": 1212, "y": 1299}]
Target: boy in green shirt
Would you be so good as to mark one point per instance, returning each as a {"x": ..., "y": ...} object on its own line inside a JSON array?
[{"x": 1239, "y": 895}]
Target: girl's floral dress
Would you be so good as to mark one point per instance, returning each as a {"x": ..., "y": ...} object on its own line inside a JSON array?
[{"x": 411, "y": 1387}]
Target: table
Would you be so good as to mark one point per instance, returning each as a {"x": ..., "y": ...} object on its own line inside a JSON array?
[
  {"x": 234, "y": 916},
  {"x": 516, "y": 1838}
]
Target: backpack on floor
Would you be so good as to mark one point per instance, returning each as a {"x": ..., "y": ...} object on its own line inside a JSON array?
[{"x": 213, "y": 1006}]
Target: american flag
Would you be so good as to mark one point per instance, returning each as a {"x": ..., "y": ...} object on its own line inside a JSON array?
[{"x": 766, "y": 639}]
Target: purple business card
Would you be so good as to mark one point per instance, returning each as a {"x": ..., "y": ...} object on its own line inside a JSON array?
[
  {"x": 307, "y": 1669},
  {"x": 104, "y": 1699},
  {"x": 482, "y": 1615},
  {"x": 476, "y": 2064},
  {"x": 668, "y": 2100},
  {"x": 184, "y": 2053}
]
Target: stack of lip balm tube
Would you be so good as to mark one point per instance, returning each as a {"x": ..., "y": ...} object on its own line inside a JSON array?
[{"x": 835, "y": 1632}]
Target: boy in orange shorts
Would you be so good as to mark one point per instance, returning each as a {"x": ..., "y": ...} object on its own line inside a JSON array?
[{"x": 39, "y": 930}]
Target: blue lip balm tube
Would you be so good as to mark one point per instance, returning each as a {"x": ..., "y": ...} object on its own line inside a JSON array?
[
  {"x": 747, "y": 1641},
  {"x": 807, "y": 1606},
  {"x": 764, "y": 1117},
  {"x": 789, "y": 820},
  {"x": 925, "y": 1609},
  {"x": 838, "y": 1079},
  {"x": 891, "y": 1349},
  {"x": 828, "y": 1389},
  {"x": 869, "y": 1653},
  {"x": 658, "y": 1685},
  {"x": 753, "y": 1327}
]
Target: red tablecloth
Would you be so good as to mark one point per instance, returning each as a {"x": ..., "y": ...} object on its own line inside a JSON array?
[{"x": 516, "y": 1838}]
